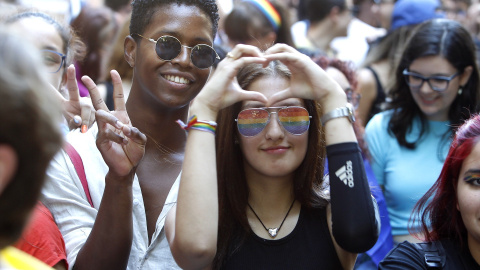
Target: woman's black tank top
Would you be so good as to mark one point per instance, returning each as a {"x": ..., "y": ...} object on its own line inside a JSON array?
[{"x": 308, "y": 246}]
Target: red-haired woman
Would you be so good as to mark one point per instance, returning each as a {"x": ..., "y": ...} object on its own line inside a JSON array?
[{"x": 450, "y": 220}]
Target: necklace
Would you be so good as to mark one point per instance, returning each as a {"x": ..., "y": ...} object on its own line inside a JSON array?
[{"x": 272, "y": 231}]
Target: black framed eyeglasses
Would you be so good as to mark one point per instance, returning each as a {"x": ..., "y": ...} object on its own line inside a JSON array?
[
  {"x": 295, "y": 120},
  {"x": 437, "y": 83},
  {"x": 169, "y": 47},
  {"x": 53, "y": 60}
]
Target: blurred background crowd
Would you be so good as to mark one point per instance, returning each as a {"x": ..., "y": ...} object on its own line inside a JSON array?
[{"x": 375, "y": 49}]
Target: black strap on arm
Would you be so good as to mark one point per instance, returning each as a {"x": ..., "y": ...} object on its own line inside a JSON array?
[{"x": 434, "y": 254}]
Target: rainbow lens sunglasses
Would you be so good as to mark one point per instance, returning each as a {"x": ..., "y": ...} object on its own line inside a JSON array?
[
  {"x": 169, "y": 47},
  {"x": 251, "y": 122}
]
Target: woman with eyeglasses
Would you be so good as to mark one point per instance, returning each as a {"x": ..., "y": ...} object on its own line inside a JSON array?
[
  {"x": 448, "y": 212},
  {"x": 252, "y": 196},
  {"x": 436, "y": 90},
  {"x": 59, "y": 47}
]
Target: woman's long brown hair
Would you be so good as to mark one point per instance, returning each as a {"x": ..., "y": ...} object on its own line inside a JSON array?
[{"x": 232, "y": 187}]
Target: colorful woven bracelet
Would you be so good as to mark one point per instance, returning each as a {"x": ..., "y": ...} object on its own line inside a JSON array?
[{"x": 193, "y": 123}]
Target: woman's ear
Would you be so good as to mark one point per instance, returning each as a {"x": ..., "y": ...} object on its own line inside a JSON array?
[
  {"x": 8, "y": 165},
  {"x": 465, "y": 76},
  {"x": 130, "y": 48}
]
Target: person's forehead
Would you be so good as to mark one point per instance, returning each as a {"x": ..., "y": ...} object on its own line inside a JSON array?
[
  {"x": 185, "y": 19},
  {"x": 41, "y": 33}
]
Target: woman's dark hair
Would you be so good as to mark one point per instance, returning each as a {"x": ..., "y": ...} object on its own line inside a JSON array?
[
  {"x": 143, "y": 10},
  {"x": 97, "y": 28},
  {"x": 117, "y": 58},
  {"x": 317, "y": 10},
  {"x": 117, "y": 5},
  {"x": 437, "y": 209},
  {"x": 73, "y": 47},
  {"x": 232, "y": 186},
  {"x": 444, "y": 38},
  {"x": 246, "y": 22},
  {"x": 388, "y": 47}
]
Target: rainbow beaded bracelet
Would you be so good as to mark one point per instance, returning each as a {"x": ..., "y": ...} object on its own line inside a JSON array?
[{"x": 193, "y": 123}]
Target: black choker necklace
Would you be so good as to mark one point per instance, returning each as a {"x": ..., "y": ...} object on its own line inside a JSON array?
[{"x": 272, "y": 231}]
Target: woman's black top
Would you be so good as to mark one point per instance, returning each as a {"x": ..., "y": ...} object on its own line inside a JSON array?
[
  {"x": 407, "y": 256},
  {"x": 308, "y": 246},
  {"x": 380, "y": 99},
  {"x": 355, "y": 223}
]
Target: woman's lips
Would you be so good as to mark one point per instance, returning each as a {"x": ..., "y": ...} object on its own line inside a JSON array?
[
  {"x": 428, "y": 101},
  {"x": 276, "y": 149}
]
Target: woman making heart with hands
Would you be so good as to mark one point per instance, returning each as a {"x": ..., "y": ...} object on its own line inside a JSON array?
[{"x": 253, "y": 195}]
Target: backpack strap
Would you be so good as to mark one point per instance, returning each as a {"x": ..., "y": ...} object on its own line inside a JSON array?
[
  {"x": 78, "y": 164},
  {"x": 434, "y": 254}
]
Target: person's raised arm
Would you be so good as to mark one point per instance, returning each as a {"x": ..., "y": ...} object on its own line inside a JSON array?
[
  {"x": 192, "y": 227},
  {"x": 122, "y": 147},
  {"x": 354, "y": 221}
]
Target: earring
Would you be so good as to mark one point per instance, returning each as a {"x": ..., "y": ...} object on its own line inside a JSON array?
[
  {"x": 460, "y": 90},
  {"x": 236, "y": 141}
]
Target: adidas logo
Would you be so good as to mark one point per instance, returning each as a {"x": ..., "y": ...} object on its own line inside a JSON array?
[{"x": 345, "y": 173}]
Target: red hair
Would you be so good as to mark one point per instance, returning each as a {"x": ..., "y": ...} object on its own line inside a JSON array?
[
  {"x": 445, "y": 220},
  {"x": 348, "y": 70}
]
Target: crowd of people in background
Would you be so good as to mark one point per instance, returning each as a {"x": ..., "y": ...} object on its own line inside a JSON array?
[{"x": 239, "y": 134}]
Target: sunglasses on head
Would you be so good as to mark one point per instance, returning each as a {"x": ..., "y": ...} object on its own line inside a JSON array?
[
  {"x": 169, "y": 47},
  {"x": 251, "y": 122}
]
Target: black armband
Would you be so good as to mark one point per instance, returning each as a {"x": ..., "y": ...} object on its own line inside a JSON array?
[{"x": 355, "y": 219}]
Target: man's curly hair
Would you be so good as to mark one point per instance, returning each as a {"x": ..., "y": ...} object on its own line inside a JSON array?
[{"x": 142, "y": 11}]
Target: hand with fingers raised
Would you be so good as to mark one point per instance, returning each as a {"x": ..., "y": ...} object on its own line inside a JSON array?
[
  {"x": 308, "y": 80},
  {"x": 222, "y": 89},
  {"x": 121, "y": 145},
  {"x": 78, "y": 111}
]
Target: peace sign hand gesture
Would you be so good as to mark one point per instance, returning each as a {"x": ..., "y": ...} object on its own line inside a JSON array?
[
  {"x": 77, "y": 111},
  {"x": 122, "y": 146}
]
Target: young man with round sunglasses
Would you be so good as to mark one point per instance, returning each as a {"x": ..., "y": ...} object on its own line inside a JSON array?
[{"x": 133, "y": 176}]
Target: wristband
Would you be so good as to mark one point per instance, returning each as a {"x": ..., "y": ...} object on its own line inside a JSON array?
[{"x": 193, "y": 123}]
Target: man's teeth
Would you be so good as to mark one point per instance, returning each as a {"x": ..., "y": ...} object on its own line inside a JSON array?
[{"x": 177, "y": 79}]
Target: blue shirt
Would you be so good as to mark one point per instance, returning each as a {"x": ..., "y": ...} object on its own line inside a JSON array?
[{"x": 406, "y": 174}]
